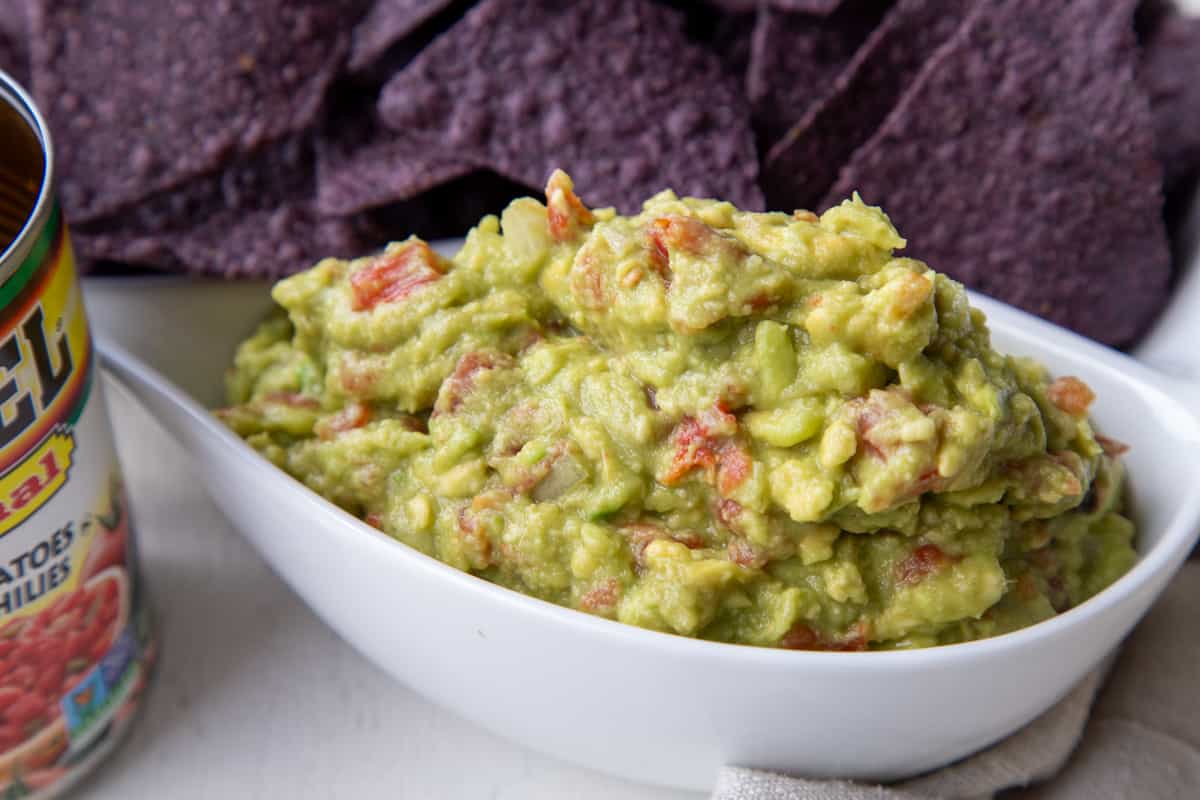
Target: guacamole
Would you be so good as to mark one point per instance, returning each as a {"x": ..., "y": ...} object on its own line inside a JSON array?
[{"x": 760, "y": 428}]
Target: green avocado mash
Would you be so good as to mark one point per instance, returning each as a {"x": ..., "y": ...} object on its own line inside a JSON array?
[{"x": 755, "y": 428}]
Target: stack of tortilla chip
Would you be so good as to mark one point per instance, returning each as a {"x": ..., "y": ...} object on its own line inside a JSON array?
[{"x": 1020, "y": 146}]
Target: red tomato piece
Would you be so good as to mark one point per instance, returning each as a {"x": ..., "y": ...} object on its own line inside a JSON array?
[
  {"x": 394, "y": 275},
  {"x": 99, "y": 649},
  {"x": 50, "y": 650},
  {"x": 728, "y": 512},
  {"x": 49, "y": 613},
  {"x": 75, "y": 600},
  {"x": 66, "y": 622},
  {"x": 660, "y": 259},
  {"x": 96, "y": 629},
  {"x": 77, "y": 644},
  {"x": 25, "y": 708},
  {"x": 565, "y": 212},
  {"x": 602, "y": 598},
  {"x": 704, "y": 443},
  {"x": 8, "y": 696},
  {"x": 49, "y": 683},
  {"x": 800, "y": 637},
  {"x": 11, "y": 735},
  {"x": 1071, "y": 395},
  {"x": 358, "y": 377},
  {"x": 734, "y": 466},
  {"x": 760, "y": 301},
  {"x": 24, "y": 676},
  {"x": 920, "y": 563},
  {"x": 804, "y": 637},
  {"x": 354, "y": 415},
  {"x": 693, "y": 449},
  {"x": 289, "y": 399},
  {"x": 24, "y": 653},
  {"x": 677, "y": 232},
  {"x": 462, "y": 381},
  {"x": 588, "y": 284}
]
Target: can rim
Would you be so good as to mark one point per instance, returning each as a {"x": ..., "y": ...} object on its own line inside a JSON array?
[{"x": 16, "y": 97}]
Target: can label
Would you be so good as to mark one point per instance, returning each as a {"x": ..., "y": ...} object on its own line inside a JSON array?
[{"x": 75, "y": 645}]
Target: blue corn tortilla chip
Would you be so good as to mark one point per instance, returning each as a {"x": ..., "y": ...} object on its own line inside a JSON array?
[
  {"x": 268, "y": 242},
  {"x": 14, "y": 38},
  {"x": 361, "y": 166},
  {"x": 14, "y": 18},
  {"x": 135, "y": 112},
  {"x": 1170, "y": 73},
  {"x": 264, "y": 243},
  {"x": 1021, "y": 162},
  {"x": 380, "y": 173},
  {"x": 816, "y": 7},
  {"x": 799, "y": 169},
  {"x": 613, "y": 92},
  {"x": 12, "y": 58},
  {"x": 254, "y": 218},
  {"x": 388, "y": 22},
  {"x": 107, "y": 243},
  {"x": 266, "y": 179},
  {"x": 795, "y": 58}
]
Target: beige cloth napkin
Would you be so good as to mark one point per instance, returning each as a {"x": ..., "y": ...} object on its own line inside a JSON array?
[{"x": 1140, "y": 739}]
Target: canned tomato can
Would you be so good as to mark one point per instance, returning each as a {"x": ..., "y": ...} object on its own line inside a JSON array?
[{"x": 76, "y": 645}]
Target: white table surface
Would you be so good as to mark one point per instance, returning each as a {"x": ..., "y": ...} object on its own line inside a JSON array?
[{"x": 255, "y": 698}]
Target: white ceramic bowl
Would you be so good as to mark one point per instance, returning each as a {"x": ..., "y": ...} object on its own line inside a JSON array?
[{"x": 650, "y": 706}]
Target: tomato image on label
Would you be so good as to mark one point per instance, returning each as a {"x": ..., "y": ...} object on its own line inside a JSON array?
[{"x": 44, "y": 656}]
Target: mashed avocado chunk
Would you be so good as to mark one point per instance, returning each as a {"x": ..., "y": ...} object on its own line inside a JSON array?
[{"x": 764, "y": 429}]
